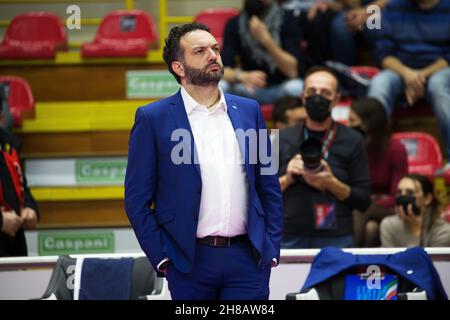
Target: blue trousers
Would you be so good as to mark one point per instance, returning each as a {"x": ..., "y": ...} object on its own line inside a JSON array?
[
  {"x": 343, "y": 41},
  {"x": 221, "y": 273},
  {"x": 388, "y": 88}
]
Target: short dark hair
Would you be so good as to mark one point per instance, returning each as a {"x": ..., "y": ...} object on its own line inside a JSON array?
[
  {"x": 172, "y": 50},
  {"x": 282, "y": 105},
  {"x": 316, "y": 69}
]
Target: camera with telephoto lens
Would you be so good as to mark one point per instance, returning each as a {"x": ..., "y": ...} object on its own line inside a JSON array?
[
  {"x": 311, "y": 151},
  {"x": 404, "y": 201}
]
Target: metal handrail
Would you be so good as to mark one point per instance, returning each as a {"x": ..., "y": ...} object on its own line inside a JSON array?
[{"x": 287, "y": 256}]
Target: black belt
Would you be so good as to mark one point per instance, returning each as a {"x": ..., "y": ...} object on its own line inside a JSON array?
[{"x": 218, "y": 241}]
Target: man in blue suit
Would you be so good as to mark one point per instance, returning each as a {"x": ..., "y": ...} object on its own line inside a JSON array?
[{"x": 203, "y": 201}]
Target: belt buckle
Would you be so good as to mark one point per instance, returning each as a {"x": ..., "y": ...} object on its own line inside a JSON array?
[
  {"x": 229, "y": 241},
  {"x": 215, "y": 242}
]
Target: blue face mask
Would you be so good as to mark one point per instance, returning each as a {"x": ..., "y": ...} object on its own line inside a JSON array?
[{"x": 318, "y": 108}]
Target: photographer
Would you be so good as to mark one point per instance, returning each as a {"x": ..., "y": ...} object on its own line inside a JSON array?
[
  {"x": 417, "y": 221},
  {"x": 323, "y": 172}
]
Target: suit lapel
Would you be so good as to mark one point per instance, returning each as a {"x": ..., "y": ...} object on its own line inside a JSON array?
[{"x": 180, "y": 116}]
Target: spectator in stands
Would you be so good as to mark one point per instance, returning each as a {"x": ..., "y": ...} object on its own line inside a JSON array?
[
  {"x": 265, "y": 40},
  {"x": 287, "y": 111},
  {"x": 420, "y": 225},
  {"x": 347, "y": 25},
  {"x": 314, "y": 18},
  {"x": 17, "y": 206},
  {"x": 414, "y": 52},
  {"x": 388, "y": 163},
  {"x": 331, "y": 28},
  {"x": 318, "y": 200},
  {"x": 316, "y": 23}
]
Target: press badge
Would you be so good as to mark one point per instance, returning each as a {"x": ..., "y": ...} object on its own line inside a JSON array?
[{"x": 324, "y": 211}]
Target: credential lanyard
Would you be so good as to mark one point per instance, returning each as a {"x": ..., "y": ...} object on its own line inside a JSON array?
[{"x": 327, "y": 140}]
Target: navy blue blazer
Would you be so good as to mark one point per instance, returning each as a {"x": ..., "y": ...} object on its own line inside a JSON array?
[
  {"x": 162, "y": 198},
  {"x": 413, "y": 264}
]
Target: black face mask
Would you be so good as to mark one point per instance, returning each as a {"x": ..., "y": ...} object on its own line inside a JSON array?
[
  {"x": 318, "y": 107},
  {"x": 405, "y": 201},
  {"x": 360, "y": 130}
]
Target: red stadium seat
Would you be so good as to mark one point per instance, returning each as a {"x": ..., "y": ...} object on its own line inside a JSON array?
[
  {"x": 341, "y": 111},
  {"x": 122, "y": 33},
  {"x": 216, "y": 19},
  {"x": 367, "y": 72},
  {"x": 35, "y": 35},
  {"x": 424, "y": 154},
  {"x": 20, "y": 99}
]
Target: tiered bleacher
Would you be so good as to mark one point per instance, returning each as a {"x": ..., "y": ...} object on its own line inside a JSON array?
[{"x": 74, "y": 109}]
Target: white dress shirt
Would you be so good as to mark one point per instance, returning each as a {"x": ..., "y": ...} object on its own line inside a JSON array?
[{"x": 224, "y": 198}]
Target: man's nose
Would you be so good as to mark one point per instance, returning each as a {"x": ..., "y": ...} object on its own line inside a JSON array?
[{"x": 212, "y": 54}]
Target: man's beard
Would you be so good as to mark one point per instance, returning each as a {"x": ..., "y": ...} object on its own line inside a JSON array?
[{"x": 203, "y": 77}]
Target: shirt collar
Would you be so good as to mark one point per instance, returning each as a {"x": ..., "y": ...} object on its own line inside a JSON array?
[{"x": 190, "y": 103}]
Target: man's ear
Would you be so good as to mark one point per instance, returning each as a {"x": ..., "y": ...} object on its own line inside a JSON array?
[{"x": 178, "y": 68}]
